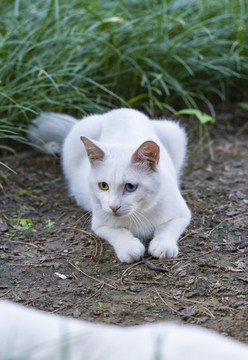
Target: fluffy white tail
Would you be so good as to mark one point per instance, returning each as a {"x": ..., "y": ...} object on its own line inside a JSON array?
[
  {"x": 48, "y": 131},
  {"x": 174, "y": 138}
]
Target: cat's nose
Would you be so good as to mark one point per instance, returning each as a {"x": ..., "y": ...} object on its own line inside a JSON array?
[{"x": 114, "y": 208}]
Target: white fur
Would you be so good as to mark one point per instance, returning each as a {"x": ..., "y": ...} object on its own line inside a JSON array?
[
  {"x": 34, "y": 335},
  {"x": 156, "y": 211}
]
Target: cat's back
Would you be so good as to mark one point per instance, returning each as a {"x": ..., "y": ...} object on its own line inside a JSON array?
[{"x": 126, "y": 126}]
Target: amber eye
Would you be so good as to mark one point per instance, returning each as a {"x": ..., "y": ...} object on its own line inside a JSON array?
[{"x": 103, "y": 186}]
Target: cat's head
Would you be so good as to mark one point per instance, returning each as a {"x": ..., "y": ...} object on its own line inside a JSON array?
[{"x": 124, "y": 180}]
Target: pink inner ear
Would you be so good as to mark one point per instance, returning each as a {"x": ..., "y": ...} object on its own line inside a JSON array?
[
  {"x": 94, "y": 152},
  {"x": 147, "y": 153}
]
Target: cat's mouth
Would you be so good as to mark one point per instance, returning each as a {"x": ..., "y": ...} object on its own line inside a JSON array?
[{"x": 119, "y": 214}]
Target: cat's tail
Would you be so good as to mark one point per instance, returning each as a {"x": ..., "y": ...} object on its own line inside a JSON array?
[{"x": 48, "y": 131}]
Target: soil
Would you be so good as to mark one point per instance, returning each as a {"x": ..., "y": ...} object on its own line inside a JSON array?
[{"x": 51, "y": 261}]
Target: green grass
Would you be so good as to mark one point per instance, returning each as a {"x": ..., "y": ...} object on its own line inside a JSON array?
[{"x": 81, "y": 57}]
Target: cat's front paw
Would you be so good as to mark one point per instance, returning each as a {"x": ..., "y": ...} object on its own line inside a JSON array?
[
  {"x": 130, "y": 251},
  {"x": 160, "y": 248}
]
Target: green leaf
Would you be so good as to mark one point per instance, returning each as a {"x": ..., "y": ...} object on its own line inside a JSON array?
[
  {"x": 3, "y": 164},
  {"x": 202, "y": 117},
  {"x": 137, "y": 98},
  {"x": 243, "y": 105}
]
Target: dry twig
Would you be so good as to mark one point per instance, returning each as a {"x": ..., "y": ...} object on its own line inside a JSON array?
[
  {"x": 92, "y": 236},
  {"x": 91, "y": 277},
  {"x": 166, "y": 304}
]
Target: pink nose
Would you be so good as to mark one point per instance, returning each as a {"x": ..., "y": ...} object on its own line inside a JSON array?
[{"x": 114, "y": 208}]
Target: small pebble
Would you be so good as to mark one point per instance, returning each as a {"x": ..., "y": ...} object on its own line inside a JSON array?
[{"x": 134, "y": 288}]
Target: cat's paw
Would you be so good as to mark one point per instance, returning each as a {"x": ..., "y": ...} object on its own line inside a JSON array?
[
  {"x": 130, "y": 251},
  {"x": 160, "y": 248}
]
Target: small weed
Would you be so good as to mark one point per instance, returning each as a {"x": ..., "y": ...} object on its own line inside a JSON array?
[
  {"x": 209, "y": 211},
  {"x": 155, "y": 315},
  {"x": 152, "y": 304},
  {"x": 25, "y": 224},
  {"x": 101, "y": 307},
  {"x": 27, "y": 191},
  {"x": 241, "y": 296},
  {"x": 211, "y": 188},
  {"x": 49, "y": 223},
  {"x": 15, "y": 218},
  {"x": 10, "y": 234},
  {"x": 15, "y": 281},
  {"x": 25, "y": 208},
  {"x": 238, "y": 261}
]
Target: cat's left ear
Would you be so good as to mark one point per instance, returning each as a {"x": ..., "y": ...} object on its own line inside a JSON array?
[
  {"x": 147, "y": 154},
  {"x": 94, "y": 152}
]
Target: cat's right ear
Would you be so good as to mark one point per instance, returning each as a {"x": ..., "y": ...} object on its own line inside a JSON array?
[
  {"x": 93, "y": 151},
  {"x": 147, "y": 154}
]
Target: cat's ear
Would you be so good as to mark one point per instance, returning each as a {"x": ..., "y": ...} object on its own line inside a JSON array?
[
  {"x": 147, "y": 154},
  {"x": 94, "y": 152}
]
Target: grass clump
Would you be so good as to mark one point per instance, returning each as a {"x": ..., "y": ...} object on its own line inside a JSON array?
[{"x": 88, "y": 56}]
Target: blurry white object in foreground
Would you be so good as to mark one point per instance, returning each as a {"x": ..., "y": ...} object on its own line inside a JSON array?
[{"x": 34, "y": 335}]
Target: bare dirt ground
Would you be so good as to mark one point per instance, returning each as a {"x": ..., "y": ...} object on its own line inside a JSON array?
[{"x": 49, "y": 260}]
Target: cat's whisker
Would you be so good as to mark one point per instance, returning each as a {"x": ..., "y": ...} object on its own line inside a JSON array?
[
  {"x": 142, "y": 223},
  {"x": 136, "y": 220},
  {"x": 142, "y": 217},
  {"x": 84, "y": 218}
]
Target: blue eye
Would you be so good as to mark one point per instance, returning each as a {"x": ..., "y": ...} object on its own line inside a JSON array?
[{"x": 131, "y": 187}]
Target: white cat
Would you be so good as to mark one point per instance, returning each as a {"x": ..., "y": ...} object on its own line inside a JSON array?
[{"x": 127, "y": 174}]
